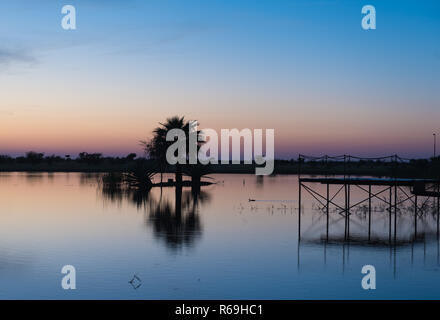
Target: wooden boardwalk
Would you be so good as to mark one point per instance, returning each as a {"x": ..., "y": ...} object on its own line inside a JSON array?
[{"x": 427, "y": 188}]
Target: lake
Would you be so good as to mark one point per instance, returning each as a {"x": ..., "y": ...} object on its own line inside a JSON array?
[{"x": 214, "y": 245}]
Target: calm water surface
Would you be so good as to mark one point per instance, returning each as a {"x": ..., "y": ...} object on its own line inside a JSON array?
[{"x": 220, "y": 246}]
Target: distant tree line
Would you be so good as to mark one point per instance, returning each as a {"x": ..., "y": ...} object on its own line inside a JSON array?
[{"x": 32, "y": 157}]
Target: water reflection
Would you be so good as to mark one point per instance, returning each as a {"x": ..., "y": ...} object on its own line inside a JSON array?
[
  {"x": 178, "y": 225},
  {"x": 239, "y": 249},
  {"x": 89, "y": 178},
  {"x": 398, "y": 225},
  {"x": 400, "y": 229},
  {"x": 173, "y": 216},
  {"x": 34, "y": 177},
  {"x": 259, "y": 181}
]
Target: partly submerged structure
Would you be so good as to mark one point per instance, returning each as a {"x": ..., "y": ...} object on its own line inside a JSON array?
[{"x": 392, "y": 191}]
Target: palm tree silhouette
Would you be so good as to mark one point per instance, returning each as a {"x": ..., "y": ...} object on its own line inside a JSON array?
[{"x": 157, "y": 147}]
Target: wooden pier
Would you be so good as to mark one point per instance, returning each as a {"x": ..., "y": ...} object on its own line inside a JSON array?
[{"x": 391, "y": 188}]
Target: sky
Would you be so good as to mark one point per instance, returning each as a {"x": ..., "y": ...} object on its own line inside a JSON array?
[{"x": 305, "y": 68}]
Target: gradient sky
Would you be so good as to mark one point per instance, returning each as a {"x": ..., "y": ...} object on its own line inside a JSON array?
[{"x": 305, "y": 68}]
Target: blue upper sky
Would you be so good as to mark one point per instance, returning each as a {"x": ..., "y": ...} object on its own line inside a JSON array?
[{"x": 305, "y": 68}]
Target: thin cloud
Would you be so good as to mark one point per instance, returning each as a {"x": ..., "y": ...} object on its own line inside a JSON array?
[{"x": 10, "y": 56}]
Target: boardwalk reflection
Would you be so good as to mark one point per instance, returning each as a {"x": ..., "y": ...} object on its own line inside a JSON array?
[{"x": 415, "y": 233}]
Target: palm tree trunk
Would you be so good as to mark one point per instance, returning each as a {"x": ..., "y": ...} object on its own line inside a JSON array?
[
  {"x": 178, "y": 174},
  {"x": 178, "y": 204},
  {"x": 196, "y": 180}
]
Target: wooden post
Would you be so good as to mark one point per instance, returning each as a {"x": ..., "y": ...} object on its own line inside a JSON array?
[
  {"x": 328, "y": 203},
  {"x": 391, "y": 191},
  {"x": 395, "y": 212},
  {"x": 299, "y": 209},
  {"x": 299, "y": 198},
  {"x": 438, "y": 209},
  {"x": 345, "y": 169},
  {"x": 348, "y": 211},
  {"x": 395, "y": 199},
  {"x": 415, "y": 217},
  {"x": 345, "y": 195},
  {"x": 369, "y": 212}
]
